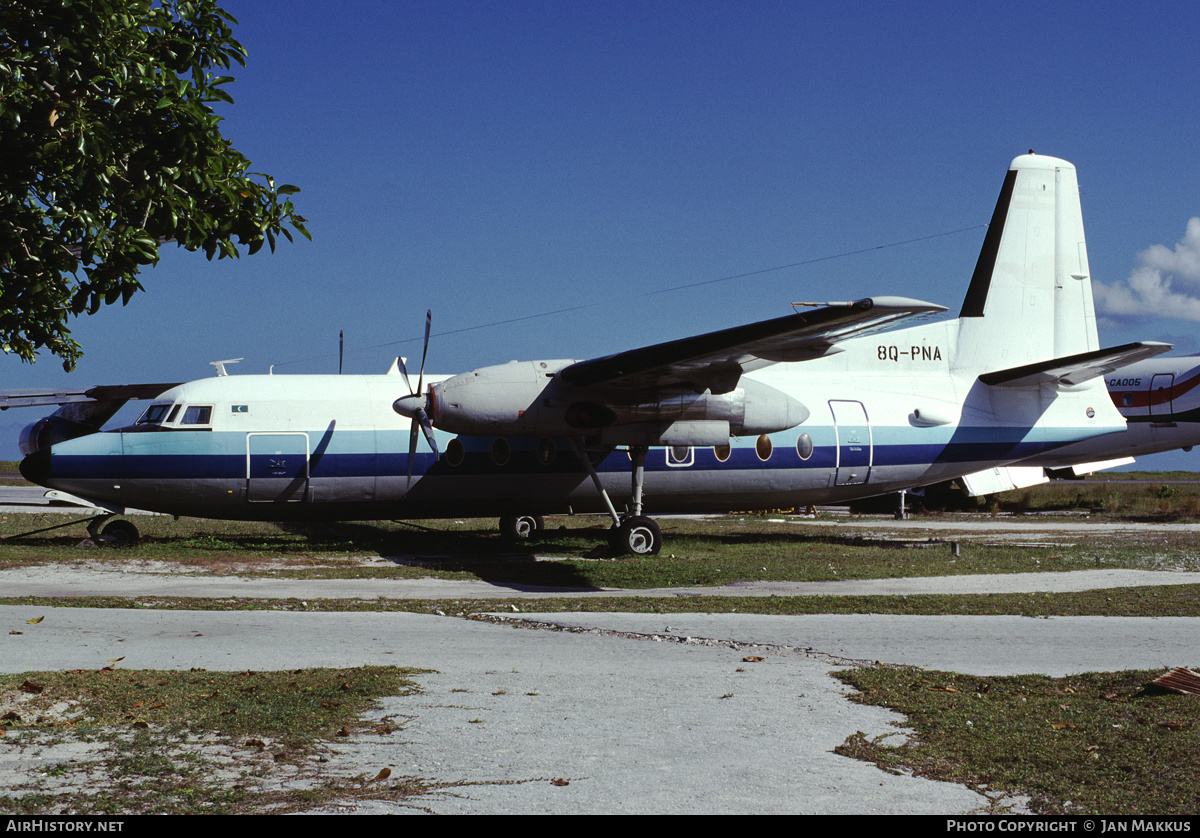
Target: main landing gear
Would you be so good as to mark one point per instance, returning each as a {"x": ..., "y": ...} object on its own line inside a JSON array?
[
  {"x": 633, "y": 534},
  {"x": 521, "y": 527}
]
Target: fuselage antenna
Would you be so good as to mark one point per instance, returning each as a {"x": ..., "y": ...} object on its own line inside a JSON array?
[{"x": 220, "y": 365}]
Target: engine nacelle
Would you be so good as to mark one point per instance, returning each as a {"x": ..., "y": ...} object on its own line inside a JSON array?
[
  {"x": 528, "y": 398},
  {"x": 503, "y": 399},
  {"x": 51, "y": 430},
  {"x": 70, "y": 421}
]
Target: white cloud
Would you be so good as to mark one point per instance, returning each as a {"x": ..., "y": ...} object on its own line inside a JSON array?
[{"x": 1164, "y": 283}]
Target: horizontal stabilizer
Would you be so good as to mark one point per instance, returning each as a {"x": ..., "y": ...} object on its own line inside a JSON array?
[
  {"x": 716, "y": 361},
  {"x": 1076, "y": 369},
  {"x": 1082, "y": 469}
]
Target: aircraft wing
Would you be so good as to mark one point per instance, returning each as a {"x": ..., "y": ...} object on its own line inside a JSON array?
[
  {"x": 1076, "y": 369},
  {"x": 716, "y": 361},
  {"x": 31, "y": 397}
]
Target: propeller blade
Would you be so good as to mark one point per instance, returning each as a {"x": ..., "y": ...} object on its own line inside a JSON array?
[
  {"x": 419, "y": 418},
  {"x": 425, "y": 351},
  {"x": 412, "y": 448},
  {"x": 427, "y": 427},
  {"x": 413, "y": 405},
  {"x": 404, "y": 372}
]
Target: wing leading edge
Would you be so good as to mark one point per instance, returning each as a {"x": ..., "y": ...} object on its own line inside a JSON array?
[
  {"x": 31, "y": 397},
  {"x": 715, "y": 361}
]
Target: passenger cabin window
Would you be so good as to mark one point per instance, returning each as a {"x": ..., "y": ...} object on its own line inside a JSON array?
[
  {"x": 804, "y": 446},
  {"x": 763, "y": 447},
  {"x": 679, "y": 455},
  {"x": 197, "y": 415},
  {"x": 154, "y": 414}
]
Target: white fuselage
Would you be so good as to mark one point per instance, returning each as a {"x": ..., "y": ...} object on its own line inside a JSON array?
[{"x": 886, "y": 413}]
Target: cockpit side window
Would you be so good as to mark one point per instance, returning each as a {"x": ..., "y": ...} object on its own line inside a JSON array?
[
  {"x": 197, "y": 415},
  {"x": 174, "y": 413},
  {"x": 154, "y": 414}
]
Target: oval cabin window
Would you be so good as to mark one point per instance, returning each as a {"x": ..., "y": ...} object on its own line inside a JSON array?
[
  {"x": 804, "y": 446},
  {"x": 500, "y": 451},
  {"x": 763, "y": 447}
]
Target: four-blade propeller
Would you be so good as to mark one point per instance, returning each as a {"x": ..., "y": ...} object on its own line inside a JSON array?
[{"x": 415, "y": 404}]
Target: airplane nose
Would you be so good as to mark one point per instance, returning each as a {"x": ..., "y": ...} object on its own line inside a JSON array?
[{"x": 36, "y": 467}]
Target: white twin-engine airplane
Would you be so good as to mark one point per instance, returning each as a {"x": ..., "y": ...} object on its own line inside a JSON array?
[{"x": 813, "y": 407}]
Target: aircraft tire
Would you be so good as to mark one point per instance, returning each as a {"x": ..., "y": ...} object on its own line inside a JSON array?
[
  {"x": 636, "y": 536},
  {"x": 522, "y": 527},
  {"x": 120, "y": 534}
]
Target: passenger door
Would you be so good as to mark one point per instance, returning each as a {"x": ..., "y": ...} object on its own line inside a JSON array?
[
  {"x": 854, "y": 444},
  {"x": 276, "y": 467},
  {"x": 1161, "y": 394}
]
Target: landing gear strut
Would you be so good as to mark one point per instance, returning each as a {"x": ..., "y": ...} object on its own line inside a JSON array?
[{"x": 633, "y": 534}]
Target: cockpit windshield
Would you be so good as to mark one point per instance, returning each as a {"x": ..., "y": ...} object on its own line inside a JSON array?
[{"x": 155, "y": 414}]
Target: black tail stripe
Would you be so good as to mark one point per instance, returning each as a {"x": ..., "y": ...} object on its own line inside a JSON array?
[{"x": 981, "y": 280}]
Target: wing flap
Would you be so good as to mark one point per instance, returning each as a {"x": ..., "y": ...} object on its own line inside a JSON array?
[
  {"x": 1002, "y": 479},
  {"x": 715, "y": 361}
]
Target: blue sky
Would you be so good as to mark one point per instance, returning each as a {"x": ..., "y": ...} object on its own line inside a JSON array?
[{"x": 569, "y": 179}]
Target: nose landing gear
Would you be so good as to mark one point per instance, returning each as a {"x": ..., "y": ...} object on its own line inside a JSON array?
[{"x": 118, "y": 533}]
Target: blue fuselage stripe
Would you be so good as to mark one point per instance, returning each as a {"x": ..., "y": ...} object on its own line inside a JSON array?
[{"x": 199, "y": 456}]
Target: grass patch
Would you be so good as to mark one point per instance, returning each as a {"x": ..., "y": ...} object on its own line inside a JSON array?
[
  {"x": 698, "y": 552},
  {"x": 192, "y": 742},
  {"x": 1165, "y": 496},
  {"x": 1149, "y": 601},
  {"x": 1098, "y": 743}
]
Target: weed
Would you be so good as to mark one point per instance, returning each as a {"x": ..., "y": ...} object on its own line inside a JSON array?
[
  {"x": 195, "y": 742},
  {"x": 1097, "y": 743}
]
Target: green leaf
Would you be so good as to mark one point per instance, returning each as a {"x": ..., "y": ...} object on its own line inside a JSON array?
[{"x": 130, "y": 127}]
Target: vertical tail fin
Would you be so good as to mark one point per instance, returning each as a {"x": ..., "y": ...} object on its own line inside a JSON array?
[{"x": 1030, "y": 298}]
